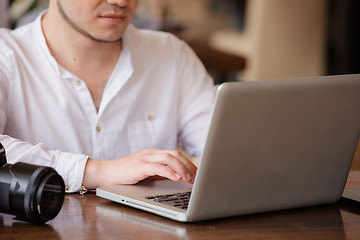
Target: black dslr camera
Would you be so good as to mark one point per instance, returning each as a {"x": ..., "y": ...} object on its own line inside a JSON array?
[{"x": 31, "y": 193}]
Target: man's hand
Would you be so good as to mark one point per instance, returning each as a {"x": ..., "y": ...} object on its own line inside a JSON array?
[{"x": 139, "y": 166}]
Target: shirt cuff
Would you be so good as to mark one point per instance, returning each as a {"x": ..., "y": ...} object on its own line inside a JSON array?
[{"x": 71, "y": 167}]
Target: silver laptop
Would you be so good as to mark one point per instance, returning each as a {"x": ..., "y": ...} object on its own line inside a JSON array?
[{"x": 272, "y": 145}]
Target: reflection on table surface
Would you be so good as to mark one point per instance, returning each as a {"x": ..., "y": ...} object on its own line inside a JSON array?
[{"x": 91, "y": 217}]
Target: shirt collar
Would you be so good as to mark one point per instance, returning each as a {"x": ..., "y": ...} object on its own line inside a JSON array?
[{"x": 42, "y": 41}]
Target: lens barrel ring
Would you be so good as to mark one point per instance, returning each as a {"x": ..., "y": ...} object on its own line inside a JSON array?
[{"x": 26, "y": 191}]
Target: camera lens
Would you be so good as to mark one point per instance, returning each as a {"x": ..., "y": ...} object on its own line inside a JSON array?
[
  {"x": 31, "y": 193},
  {"x": 50, "y": 196}
]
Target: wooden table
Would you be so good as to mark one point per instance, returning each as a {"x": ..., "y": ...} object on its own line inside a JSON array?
[{"x": 90, "y": 217}]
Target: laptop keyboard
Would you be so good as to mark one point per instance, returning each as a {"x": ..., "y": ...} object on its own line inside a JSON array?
[{"x": 178, "y": 200}]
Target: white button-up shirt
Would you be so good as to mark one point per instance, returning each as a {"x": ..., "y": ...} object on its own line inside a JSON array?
[{"x": 159, "y": 95}]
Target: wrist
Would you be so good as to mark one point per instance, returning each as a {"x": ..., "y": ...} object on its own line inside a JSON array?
[{"x": 92, "y": 174}]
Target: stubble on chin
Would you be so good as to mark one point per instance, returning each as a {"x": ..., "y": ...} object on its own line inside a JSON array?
[{"x": 80, "y": 30}]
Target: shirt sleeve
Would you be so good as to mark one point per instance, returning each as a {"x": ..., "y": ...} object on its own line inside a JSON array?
[
  {"x": 5, "y": 74},
  {"x": 197, "y": 99},
  {"x": 70, "y": 166}
]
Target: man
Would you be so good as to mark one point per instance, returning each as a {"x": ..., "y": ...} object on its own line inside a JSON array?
[{"x": 84, "y": 92}]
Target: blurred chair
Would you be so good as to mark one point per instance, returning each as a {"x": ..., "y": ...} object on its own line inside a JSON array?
[
  {"x": 280, "y": 39},
  {"x": 219, "y": 64}
]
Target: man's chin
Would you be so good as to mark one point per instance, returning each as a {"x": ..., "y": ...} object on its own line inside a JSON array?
[{"x": 109, "y": 37}]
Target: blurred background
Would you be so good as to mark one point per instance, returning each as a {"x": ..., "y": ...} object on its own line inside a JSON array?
[{"x": 246, "y": 40}]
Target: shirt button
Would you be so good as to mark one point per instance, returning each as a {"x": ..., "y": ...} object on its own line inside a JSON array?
[
  {"x": 98, "y": 129},
  {"x": 78, "y": 82},
  {"x": 150, "y": 118}
]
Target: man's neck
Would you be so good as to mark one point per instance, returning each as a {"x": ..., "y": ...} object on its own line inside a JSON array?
[
  {"x": 92, "y": 61},
  {"x": 76, "y": 52}
]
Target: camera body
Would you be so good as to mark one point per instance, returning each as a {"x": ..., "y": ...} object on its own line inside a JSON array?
[{"x": 30, "y": 192}]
